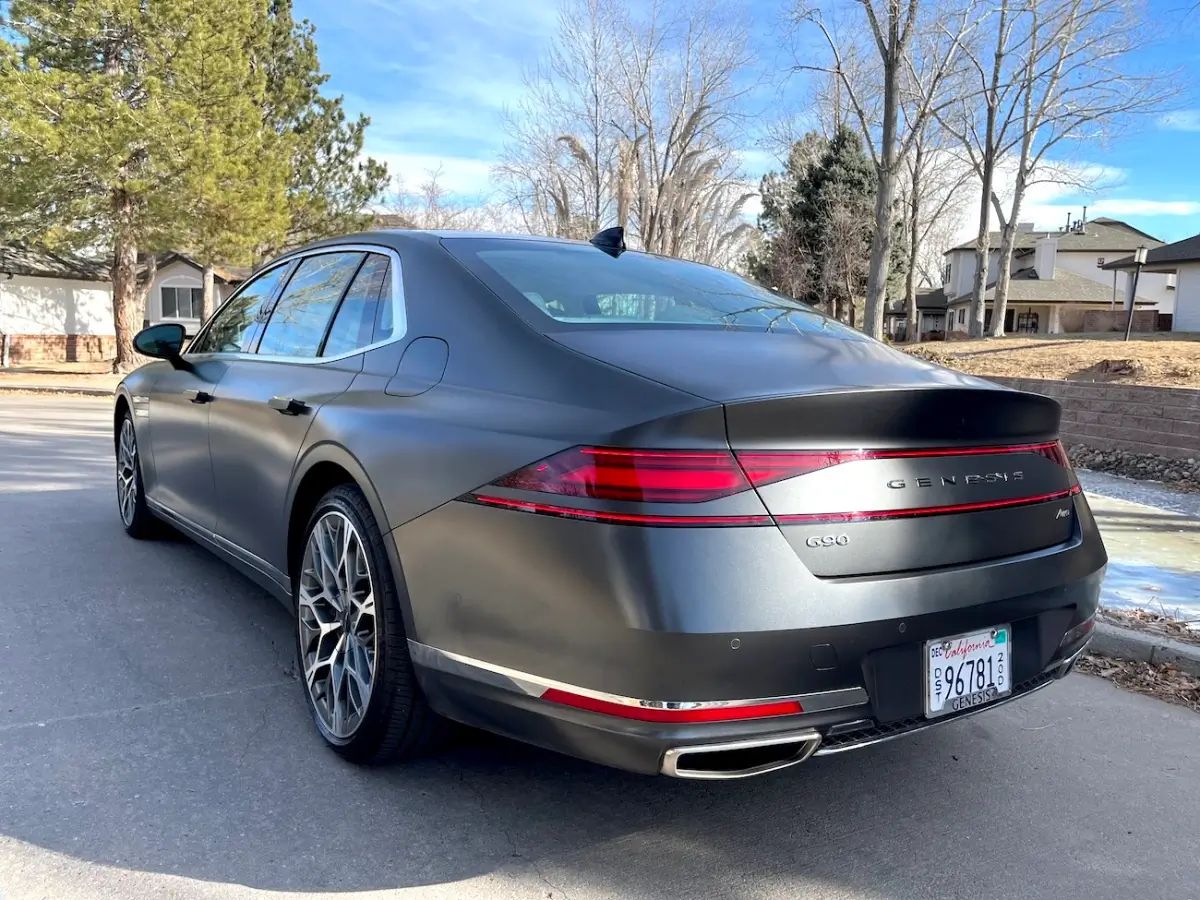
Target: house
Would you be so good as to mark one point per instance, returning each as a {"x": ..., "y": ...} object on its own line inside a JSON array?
[
  {"x": 1181, "y": 262},
  {"x": 58, "y": 307},
  {"x": 1058, "y": 281},
  {"x": 931, "y": 316}
]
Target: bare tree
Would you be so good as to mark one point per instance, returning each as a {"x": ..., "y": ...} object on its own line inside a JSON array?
[
  {"x": 630, "y": 120},
  {"x": 1053, "y": 73},
  {"x": 934, "y": 180},
  {"x": 433, "y": 206},
  {"x": 901, "y": 77},
  {"x": 1074, "y": 85}
]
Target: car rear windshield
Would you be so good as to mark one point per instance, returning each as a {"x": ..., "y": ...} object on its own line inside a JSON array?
[{"x": 557, "y": 285}]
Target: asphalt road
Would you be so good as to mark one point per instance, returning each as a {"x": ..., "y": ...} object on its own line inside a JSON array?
[{"x": 153, "y": 743}]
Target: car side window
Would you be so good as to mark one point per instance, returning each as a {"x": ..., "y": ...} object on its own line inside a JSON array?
[
  {"x": 354, "y": 324},
  {"x": 234, "y": 328},
  {"x": 300, "y": 317},
  {"x": 385, "y": 325}
]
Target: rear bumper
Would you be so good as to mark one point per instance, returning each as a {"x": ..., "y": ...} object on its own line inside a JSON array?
[
  {"x": 510, "y": 703},
  {"x": 504, "y": 605}
]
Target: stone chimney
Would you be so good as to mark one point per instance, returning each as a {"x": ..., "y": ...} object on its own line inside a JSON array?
[{"x": 1044, "y": 252}]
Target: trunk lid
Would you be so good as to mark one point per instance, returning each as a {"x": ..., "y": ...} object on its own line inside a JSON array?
[{"x": 902, "y": 480}]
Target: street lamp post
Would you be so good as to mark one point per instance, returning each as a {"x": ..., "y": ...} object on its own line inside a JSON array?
[{"x": 1139, "y": 260}]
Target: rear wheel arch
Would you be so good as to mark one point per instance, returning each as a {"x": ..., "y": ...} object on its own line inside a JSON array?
[{"x": 322, "y": 468}]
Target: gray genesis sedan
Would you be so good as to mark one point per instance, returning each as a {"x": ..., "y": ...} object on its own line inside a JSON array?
[{"x": 622, "y": 506}]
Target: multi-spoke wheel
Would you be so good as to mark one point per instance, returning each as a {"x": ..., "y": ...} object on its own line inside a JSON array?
[
  {"x": 338, "y": 639},
  {"x": 135, "y": 515},
  {"x": 351, "y": 645}
]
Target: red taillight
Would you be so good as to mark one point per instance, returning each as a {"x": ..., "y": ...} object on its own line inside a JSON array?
[
  {"x": 705, "y": 713},
  {"x": 698, "y": 476},
  {"x": 640, "y": 476},
  {"x": 765, "y": 467}
]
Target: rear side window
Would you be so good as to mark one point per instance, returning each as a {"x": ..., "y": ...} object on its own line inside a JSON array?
[
  {"x": 354, "y": 324},
  {"x": 298, "y": 321},
  {"x": 577, "y": 285},
  {"x": 234, "y": 328}
]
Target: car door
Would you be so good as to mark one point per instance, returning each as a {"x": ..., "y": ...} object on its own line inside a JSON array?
[
  {"x": 181, "y": 401},
  {"x": 307, "y": 355}
]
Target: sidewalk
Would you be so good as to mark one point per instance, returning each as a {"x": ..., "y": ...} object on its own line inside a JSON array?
[{"x": 78, "y": 378}]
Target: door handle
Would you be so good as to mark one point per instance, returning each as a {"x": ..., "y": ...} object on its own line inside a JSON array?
[
  {"x": 288, "y": 406},
  {"x": 198, "y": 396}
]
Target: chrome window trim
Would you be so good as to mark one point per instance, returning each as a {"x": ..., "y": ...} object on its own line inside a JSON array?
[{"x": 399, "y": 306}]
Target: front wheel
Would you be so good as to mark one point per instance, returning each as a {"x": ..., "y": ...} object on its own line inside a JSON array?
[
  {"x": 139, "y": 522},
  {"x": 351, "y": 646}
]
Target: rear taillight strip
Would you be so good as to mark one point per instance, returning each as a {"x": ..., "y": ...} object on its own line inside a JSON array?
[
  {"x": 617, "y": 518},
  {"x": 920, "y": 511},
  {"x": 682, "y": 477}
]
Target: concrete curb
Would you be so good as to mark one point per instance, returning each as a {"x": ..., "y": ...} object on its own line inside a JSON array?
[
  {"x": 1144, "y": 646},
  {"x": 56, "y": 389}
]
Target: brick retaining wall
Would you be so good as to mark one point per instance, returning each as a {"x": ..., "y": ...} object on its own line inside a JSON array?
[
  {"x": 1164, "y": 421},
  {"x": 37, "y": 348}
]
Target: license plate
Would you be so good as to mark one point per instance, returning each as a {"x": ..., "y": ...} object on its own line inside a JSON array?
[{"x": 967, "y": 670}]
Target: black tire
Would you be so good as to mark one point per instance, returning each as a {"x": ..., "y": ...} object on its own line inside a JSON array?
[
  {"x": 136, "y": 518},
  {"x": 398, "y": 723}
]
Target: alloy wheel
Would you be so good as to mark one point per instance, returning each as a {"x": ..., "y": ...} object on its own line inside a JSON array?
[
  {"x": 338, "y": 636},
  {"x": 127, "y": 472}
]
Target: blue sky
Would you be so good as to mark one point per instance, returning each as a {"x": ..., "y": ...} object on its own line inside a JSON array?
[{"x": 436, "y": 76}]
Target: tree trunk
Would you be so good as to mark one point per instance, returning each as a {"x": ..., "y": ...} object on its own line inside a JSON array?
[
  {"x": 208, "y": 303},
  {"x": 127, "y": 312},
  {"x": 885, "y": 198},
  {"x": 1008, "y": 240},
  {"x": 976, "y": 314},
  {"x": 912, "y": 333}
]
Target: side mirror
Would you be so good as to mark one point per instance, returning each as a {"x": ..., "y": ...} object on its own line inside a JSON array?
[{"x": 163, "y": 341}]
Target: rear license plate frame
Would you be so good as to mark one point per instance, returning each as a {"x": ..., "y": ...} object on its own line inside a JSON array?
[{"x": 1000, "y": 687}]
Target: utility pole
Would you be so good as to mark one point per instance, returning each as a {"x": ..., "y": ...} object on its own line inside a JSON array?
[{"x": 1139, "y": 260}]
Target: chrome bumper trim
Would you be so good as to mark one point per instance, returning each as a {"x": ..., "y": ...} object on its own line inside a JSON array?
[{"x": 535, "y": 685}]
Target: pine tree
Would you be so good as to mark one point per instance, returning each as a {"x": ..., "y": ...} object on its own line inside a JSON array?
[
  {"x": 817, "y": 223},
  {"x": 330, "y": 183},
  {"x": 122, "y": 129}
]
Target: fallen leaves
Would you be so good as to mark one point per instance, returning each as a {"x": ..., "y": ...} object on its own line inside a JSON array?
[
  {"x": 1164, "y": 682},
  {"x": 1157, "y": 623}
]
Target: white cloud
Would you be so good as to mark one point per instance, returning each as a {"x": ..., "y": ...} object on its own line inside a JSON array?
[{"x": 1181, "y": 120}]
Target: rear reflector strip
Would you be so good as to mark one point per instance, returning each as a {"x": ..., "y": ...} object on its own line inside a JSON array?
[
  {"x": 916, "y": 512},
  {"x": 702, "y": 713},
  {"x": 616, "y": 518}
]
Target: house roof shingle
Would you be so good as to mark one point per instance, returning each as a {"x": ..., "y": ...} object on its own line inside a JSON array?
[
  {"x": 1065, "y": 287},
  {"x": 1100, "y": 235},
  {"x": 18, "y": 259},
  {"x": 1187, "y": 250}
]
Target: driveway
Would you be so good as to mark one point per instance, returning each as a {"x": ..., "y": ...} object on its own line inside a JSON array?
[{"x": 153, "y": 743}]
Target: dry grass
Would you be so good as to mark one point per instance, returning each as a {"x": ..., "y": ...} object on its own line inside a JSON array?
[{"x": 1169, "y": 359}]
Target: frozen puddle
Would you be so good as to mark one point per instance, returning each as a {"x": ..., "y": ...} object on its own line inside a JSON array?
[{"x": 1169, "y": 592}]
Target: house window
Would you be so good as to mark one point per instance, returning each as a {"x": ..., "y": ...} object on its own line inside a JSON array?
[
  {"x": 962, "y": 317},
  {"x": 182, "y": 302},
  {"x": 946, "y": 274},
  {"x": 1027, "y": 322}
]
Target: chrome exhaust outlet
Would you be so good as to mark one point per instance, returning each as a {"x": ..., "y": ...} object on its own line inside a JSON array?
[{"x": 740, "y": 759}]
